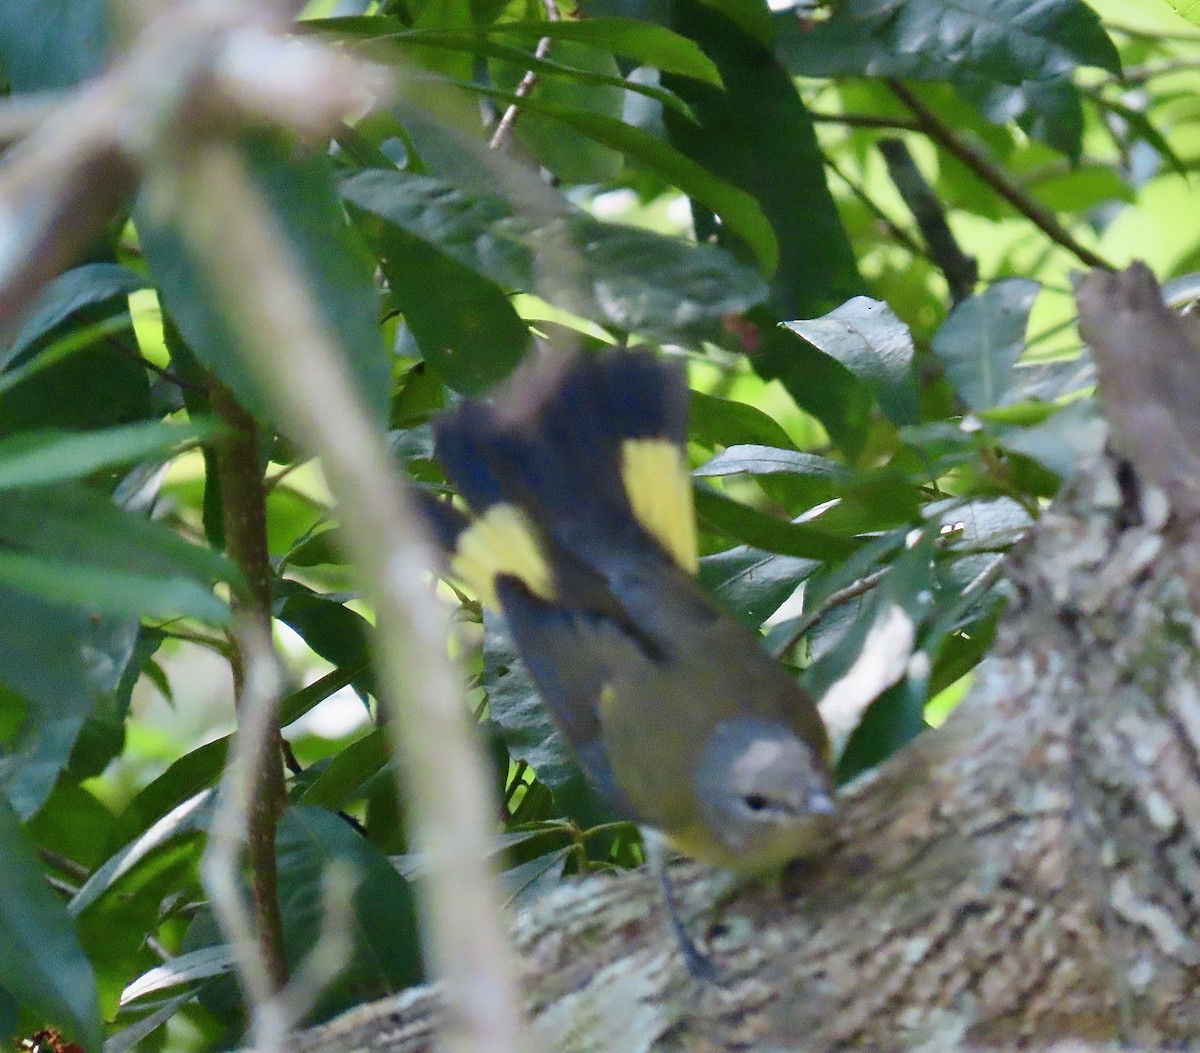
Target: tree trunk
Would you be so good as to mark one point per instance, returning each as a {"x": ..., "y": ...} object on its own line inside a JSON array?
[{"x": 1028, "y": 873}]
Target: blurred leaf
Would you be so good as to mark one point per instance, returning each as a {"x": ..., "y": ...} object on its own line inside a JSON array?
[
  {"x": 866, "y": 337},
  {"x": 33, "y": 459},
  {"x": 48, "y": 44},
  {"x": 41, "y": 961},
  {"x": 1071, "y": 437},
  {"x": 72, "y": 546},
  {"x": 102, "y": 737},
  {"x": 303, "y": 197},
  {"x": 982, "y": 339},
  {"x": 61, "y": 663}
]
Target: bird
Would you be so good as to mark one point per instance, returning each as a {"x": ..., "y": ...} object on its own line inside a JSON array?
[{"x": 579, "y": 527}]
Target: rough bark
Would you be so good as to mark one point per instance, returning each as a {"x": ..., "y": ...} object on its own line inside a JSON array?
[{"x": 1026, "y": 875}]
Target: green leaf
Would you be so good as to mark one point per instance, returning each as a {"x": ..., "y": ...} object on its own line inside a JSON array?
[
  {"x": 349, "y": 774},
  {"x": 71, "y": 545},
  {"x": 759, "y": 136},
  {"x": 386, "y": 952},
  {"x": 302, "y": 195},
  {"x": 715, "y": 421},
  {"x": 612, "y": 274},
  {"x": 752, "y": 584},
  {"x": 1189, "y": 9},
  {"x": 980, "y": 342},
  {"x": 649, "y": 44},
  {"x": 61, "y": 664},
  {"x": 1014, "y": 58},
  {"x": 33, "y": 459},
  {"x": 740, "y": 522},
  {"x": 334, "y": 631},
  {"x": 740, "y": 213},
  {"x": 527, "y": 729},
  {"x": 866, "y": 337},
  {"x": 466, "y": 326},
  {"x": 109, "y": 590},
  {"x": 813, "y": 479},
  {"x": 42, "y": 963},
  {"x": 86, "y": 286}
]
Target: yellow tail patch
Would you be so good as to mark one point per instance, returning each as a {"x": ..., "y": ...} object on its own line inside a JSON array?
[
  {"x": 659, "y": 486},
  {"x": 501, "y": 541}
]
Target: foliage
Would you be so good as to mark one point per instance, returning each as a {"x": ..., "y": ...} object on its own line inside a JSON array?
[{"x": 853, "y": 430}]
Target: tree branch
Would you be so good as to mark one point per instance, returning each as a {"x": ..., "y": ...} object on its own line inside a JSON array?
[
  {"x": 1040, "y": 216},
  {"x": 244, "y": 517}
]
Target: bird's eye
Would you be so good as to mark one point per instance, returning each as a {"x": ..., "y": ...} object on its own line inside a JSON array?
[{"x": 756, "y": 802}]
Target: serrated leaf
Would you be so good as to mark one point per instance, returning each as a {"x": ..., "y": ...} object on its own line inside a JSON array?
[
  {"x": 980, "y": 342},
  {"x": 42, "y": 963}
]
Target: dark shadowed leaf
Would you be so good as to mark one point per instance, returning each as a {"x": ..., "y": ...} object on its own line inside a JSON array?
[{"x": 41, "y": 960}]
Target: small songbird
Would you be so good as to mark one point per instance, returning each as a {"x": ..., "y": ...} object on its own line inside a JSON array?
[{"x": 582, "y": 532}]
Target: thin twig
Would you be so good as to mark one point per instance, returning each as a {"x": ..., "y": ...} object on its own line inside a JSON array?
[
  {"x": 835, "y": 599},
  {"x": 1040, "y": 216},
  {"x": 893, "y": 228},
  {"x": 868, "y": 120},
  {"x": 528, "y": 82}
]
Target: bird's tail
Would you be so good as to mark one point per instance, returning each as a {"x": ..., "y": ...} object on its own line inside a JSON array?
[{"x": 578, "y": 462}]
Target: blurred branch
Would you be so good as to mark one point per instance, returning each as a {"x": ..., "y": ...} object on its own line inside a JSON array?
[
  {"x": 528, "y": 83},
  {"x": 1040, "y": 216},
  {"x": 961, "y": 270},
  {"x": 220, "y": 867},
  {"x": 227, "y": 227}
]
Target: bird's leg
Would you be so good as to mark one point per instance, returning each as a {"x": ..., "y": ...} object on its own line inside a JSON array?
[{"x": 697, "y": 962}]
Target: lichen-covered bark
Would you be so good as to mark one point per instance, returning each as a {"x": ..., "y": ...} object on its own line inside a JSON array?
[{"x": 1025, "y": 875}]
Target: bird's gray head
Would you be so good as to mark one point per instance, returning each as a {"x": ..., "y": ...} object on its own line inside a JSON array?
[{"x": 764, "y": 794}]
